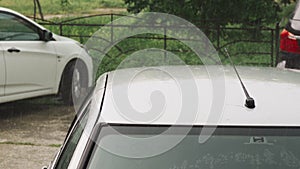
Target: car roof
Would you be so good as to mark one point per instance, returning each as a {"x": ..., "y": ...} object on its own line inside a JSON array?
[{"x": 276, "y": 93}]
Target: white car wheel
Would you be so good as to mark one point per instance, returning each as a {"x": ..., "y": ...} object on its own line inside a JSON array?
[{"x": 74, "y": 83}]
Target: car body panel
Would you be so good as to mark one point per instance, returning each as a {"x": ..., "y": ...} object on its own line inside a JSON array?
[
  {"x": 67, "y": 51},
  {"x": 32, "y": 69},
  {"x": 97, "y": 96},
  {"x": 94, "y": 101},
  {"x": 21, "y": 96},
  {"x": 270, "y": 87},
  {"x": 294, "y": 24},
  {"x": 289, "y": 55},
  {"x": 276, "y": 93}
]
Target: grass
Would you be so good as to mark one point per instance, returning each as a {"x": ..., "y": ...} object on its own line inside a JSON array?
[
  {"x": 54, "y": 145},
  {"x": 246, "y": 51},
  {"x": 112, "y": 3},
  {"x": 18, "y": 143},
  {"x": 243, "y": 53},
  {"x": 50, "y": 7}
]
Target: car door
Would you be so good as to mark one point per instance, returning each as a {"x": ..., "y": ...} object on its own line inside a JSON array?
[
  {"x": 30, "y": 61},
  {"x": 2, "y": 73}
]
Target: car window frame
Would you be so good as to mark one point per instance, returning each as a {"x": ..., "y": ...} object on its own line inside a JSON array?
[
  {"x": 74, "y": 125},
  {"x": 32, "y": 26},
  {"x": 86, "y": 102}
]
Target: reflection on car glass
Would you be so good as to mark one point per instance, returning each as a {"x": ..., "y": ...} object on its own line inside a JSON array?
[
  {"x": 219, "y": 152},
  {"x": 5, "y": 16},
  {"x": 242, "y": 159}
]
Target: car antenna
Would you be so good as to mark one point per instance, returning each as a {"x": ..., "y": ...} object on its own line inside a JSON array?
[{"x": 250, "y": 103}]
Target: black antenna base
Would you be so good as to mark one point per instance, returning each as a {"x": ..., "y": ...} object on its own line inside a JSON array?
[{"x": 250, "y": 103}]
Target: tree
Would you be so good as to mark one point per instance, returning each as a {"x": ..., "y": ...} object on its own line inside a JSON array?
[
  {"x": 218, "y": 12},
  {"x": 64, "y": 2},
  {"x": 286, "y": 2}
]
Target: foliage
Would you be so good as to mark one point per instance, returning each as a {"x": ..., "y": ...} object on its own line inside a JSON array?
[
  {"x": 237, "y": 14},
  {"x": 287, "y": 2},
  {"x": 287, "y": 10},
  {"x": 66, "y": 7},
  {"x": 243, "y": 51},
  {"x": 222, "y": 12},
  {"x": 64, "y": 2},
  {"x": 113, "y": 4}
]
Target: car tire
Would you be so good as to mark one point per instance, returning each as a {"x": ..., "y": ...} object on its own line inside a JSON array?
[{"x": 74, "y": 83}]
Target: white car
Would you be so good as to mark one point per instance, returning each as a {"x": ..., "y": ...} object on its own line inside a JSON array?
[
  {"x": 107, "y": 135},
  {"x": 35, "y": 62}
]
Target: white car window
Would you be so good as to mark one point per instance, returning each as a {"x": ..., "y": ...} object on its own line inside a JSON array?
[{"x": 13, "y": 28}]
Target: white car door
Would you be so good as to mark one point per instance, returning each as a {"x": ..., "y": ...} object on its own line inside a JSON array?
[
  {"x": 30, "y": 62},
  {"x": 2, "y": 72}
]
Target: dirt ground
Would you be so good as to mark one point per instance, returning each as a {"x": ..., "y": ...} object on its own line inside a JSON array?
[
  {"x": 95, "y": 11},
  {"x": 31, "y": 132}
]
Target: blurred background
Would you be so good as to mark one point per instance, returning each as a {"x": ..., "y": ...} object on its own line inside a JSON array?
[{"x": 249, "y": 29}]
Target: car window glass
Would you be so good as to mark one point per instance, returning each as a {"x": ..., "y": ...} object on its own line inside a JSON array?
[
  {"x": 227, "y": 148},
  {"x": 13, "y": 28},
  {"x": 71, "y": 144}
]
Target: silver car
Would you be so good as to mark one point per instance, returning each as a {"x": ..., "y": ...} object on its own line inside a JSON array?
[{"x": 106, "y": 135}]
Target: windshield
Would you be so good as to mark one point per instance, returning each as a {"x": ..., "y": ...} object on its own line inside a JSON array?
[{"x": 227, "y": 148}]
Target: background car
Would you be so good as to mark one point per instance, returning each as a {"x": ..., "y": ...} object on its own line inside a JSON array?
[
  {"x": 290, "y": 41},
  {"x": 266, "y": 136},
  {"x": 36, "y": 62}
]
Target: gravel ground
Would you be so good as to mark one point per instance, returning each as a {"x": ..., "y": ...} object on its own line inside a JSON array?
[{"x": 31, "y": 132}]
